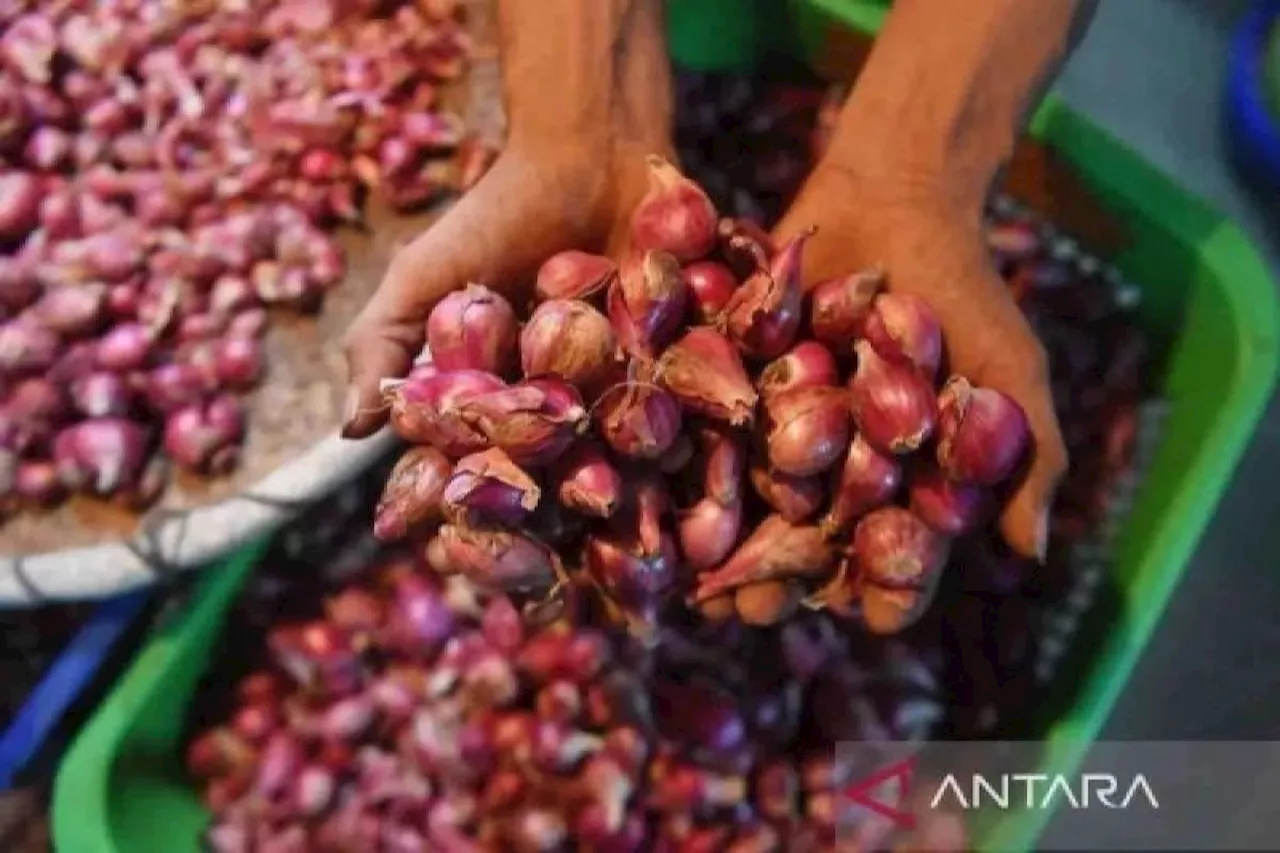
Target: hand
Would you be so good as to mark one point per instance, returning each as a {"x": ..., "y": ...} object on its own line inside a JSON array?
[
  {"x": 588, "y": 94},
  {"x": 931, "y": 244}
]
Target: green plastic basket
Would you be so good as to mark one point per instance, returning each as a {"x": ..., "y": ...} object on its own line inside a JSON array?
[{"x": 1206, "y": 295}]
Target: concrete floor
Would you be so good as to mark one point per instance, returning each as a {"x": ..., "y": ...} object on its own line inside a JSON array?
[{"x": 1152, "y": 71}]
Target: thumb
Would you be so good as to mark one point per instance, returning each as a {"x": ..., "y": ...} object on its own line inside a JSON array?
[{"x": 391, "y": 329}]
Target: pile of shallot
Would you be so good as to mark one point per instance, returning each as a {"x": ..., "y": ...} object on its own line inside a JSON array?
[
  {"x": 697, "y": 429},
  {"x": 416, "y": 713},
  {"x": 166, "y": 175}
]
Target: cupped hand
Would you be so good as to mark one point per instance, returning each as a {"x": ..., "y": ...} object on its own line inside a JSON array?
[
  {"x": 535, "y": 201},
  {"x": 930, "y": 244}
]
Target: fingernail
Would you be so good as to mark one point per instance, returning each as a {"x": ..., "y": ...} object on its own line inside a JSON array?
[
  {"x": 1042, "y": 537},
  {"x": 350, "y": 410}
]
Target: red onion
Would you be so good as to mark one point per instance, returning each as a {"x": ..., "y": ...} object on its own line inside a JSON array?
[
  {"x": 895, "y": 549},
  {"x": 498, "y": 558},
  {"x": 892, "y": 404},
  {"x": 173, "y": 386},
  {"x": 902, "y": 328},
  {"x": 60, "y": 215},
  {"x": 418, "y": 620},
  {"x": 949, "y": 508},
  {"x": 808, "y": 365},
  {"x": 745, "y": 245},
  {"x": 708, "y": 531},
  {"x": 639, "y": 420},
  {"x": 982, "y": 433},
  {"x": 412, "y": 494},
  {"x": 20, "y": 196},
  {"x": 18, "y": 284},
  {"x": 428, "y": 410},
  {"x": 675, "y": 216},
  {"x": 571, "y": 340},
  {"x": 26, "y": 347},
  {"x": 249, "y": 323},
  {"x": 34, "y": 409},
  {"x": 634, "y": 576},
  {"x": 205, "y": 437},
  {"x": 587, "y": 482},
  {"x": 534, "y": 422},
  {"x": 473, "y": 329},
  {"x": 239, "y": 362},
  {"x": 101, "y": 395},
  {"x": 763, "y": 317},
  {"x": 705, "y": 720},
  {"x": 867, "y": 480},
  {"x": 100, "y": 456},
  {"x": 705, "y": 373},
  {"x": 488, "y": 486},
  {"x": 711, "y": 286},
  {"x": 646, "y": 303},
  {"x": 774, "y": 550},
  {"x": 72, "y": 310},
  {"x": 808, "y": 430},
  {"x": 840, "y": 306},
  {"x": 794, "y": 498},
  {"x": 124, "y": 347},
  {"x": 36, "y": 481},
  {"x": 573, "y": 275}
]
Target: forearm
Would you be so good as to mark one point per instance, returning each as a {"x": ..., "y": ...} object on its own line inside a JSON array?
[
  {"x": 941, "y": 99},
  {"x": 566, "y": 62}
]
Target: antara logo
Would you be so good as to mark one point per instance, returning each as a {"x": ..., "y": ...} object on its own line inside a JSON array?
[{"x": 1043, "y": 791}]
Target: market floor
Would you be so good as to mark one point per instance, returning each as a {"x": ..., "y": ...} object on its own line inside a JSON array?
[{"x": 1151, "y": 71}]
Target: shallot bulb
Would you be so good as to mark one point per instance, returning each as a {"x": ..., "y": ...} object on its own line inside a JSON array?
[
  {"x": 982, "y": 433},
  {"x": 497, "y": 558},
  {"x": 534, "y": 422},
  {"x": 745, "y": 245},
  {"x": 646, "y": 303},
  {"x": 238, "y": 362},
  {"x": 26, "y": 347},
  {"x": 101, "y": 395},
  {"x": 573, "y": 275},
  {"x": 763, "y": 316},
  {"x": 808, "y": 430},
  {"x": 893, "y": 405},
  {"x": 205, "y": 437},
  {"x": 473, "y": 329},
  {"x": 37, "y": 483},
  {"x": 708, "y": 531},
  {"x": 711, "y": 286},
  {"x": 72, "y": 310},
  {"x": 902, "y": 328},
  {"x": 100, "y": 456},
  {"x": 125, "y": 347},
  {"x": 634, "y": 577},
  {"x": 587, "y": 482},
  {"x": 808, "y": 364},
  {"x": 705, "y": 373},
  {"x": 411, "y": 496},
  {"x": 775, "y": 550},
  {"x": 488, "y": 486},
  {"x": 896, "y": 551},
  {"x": 948, "y": 507},
  {"x": 839, "y": 308},
  {"x": 571, "y": 340},
  {"x": 794, "y": 498},
  {"x": 172, "y": 386},
  {"x": 675, "y": 216},
  {"x": 867, "y": 480},
  {"x": 639, "y": 420},
  {"x": 428, "y": 409}
]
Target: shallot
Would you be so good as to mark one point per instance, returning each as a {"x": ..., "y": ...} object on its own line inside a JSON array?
[
  {"x": 412, "y": 494},
  {"x": 646, "y": 303},
  {"x": 763, "y": 316},
  {"x": 808, "y": 430},
  {"x": 839, "y": 308},
  {"x": 571, "y": 340},
  {"x": 675, "y": 216},
  {"x": 902, "y": 328},
  {"x": 982, "y": 433},
  {"x": 893, "y": 405},
  {"x": 473, "y": 329},
  {"x": 573, "y": 275},
  {"x": 488, "y": 486},
  {"x": 705, "y": 373}
]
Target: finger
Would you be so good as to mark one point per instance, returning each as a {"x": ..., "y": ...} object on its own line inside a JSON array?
[
  {"x": 1024, "y": 522},
  {"x": 389, "y": 332}
]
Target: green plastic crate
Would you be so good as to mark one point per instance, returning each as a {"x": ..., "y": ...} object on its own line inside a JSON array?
[{"x": 1206, "y": 295}]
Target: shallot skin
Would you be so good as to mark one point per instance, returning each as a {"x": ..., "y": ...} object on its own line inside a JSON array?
[
  {"x": 473, "y": 329},
  {"x": 982, "y": 433}
]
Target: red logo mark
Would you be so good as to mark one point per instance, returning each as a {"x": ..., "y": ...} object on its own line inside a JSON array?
[{"x": 865, "y": 792}]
